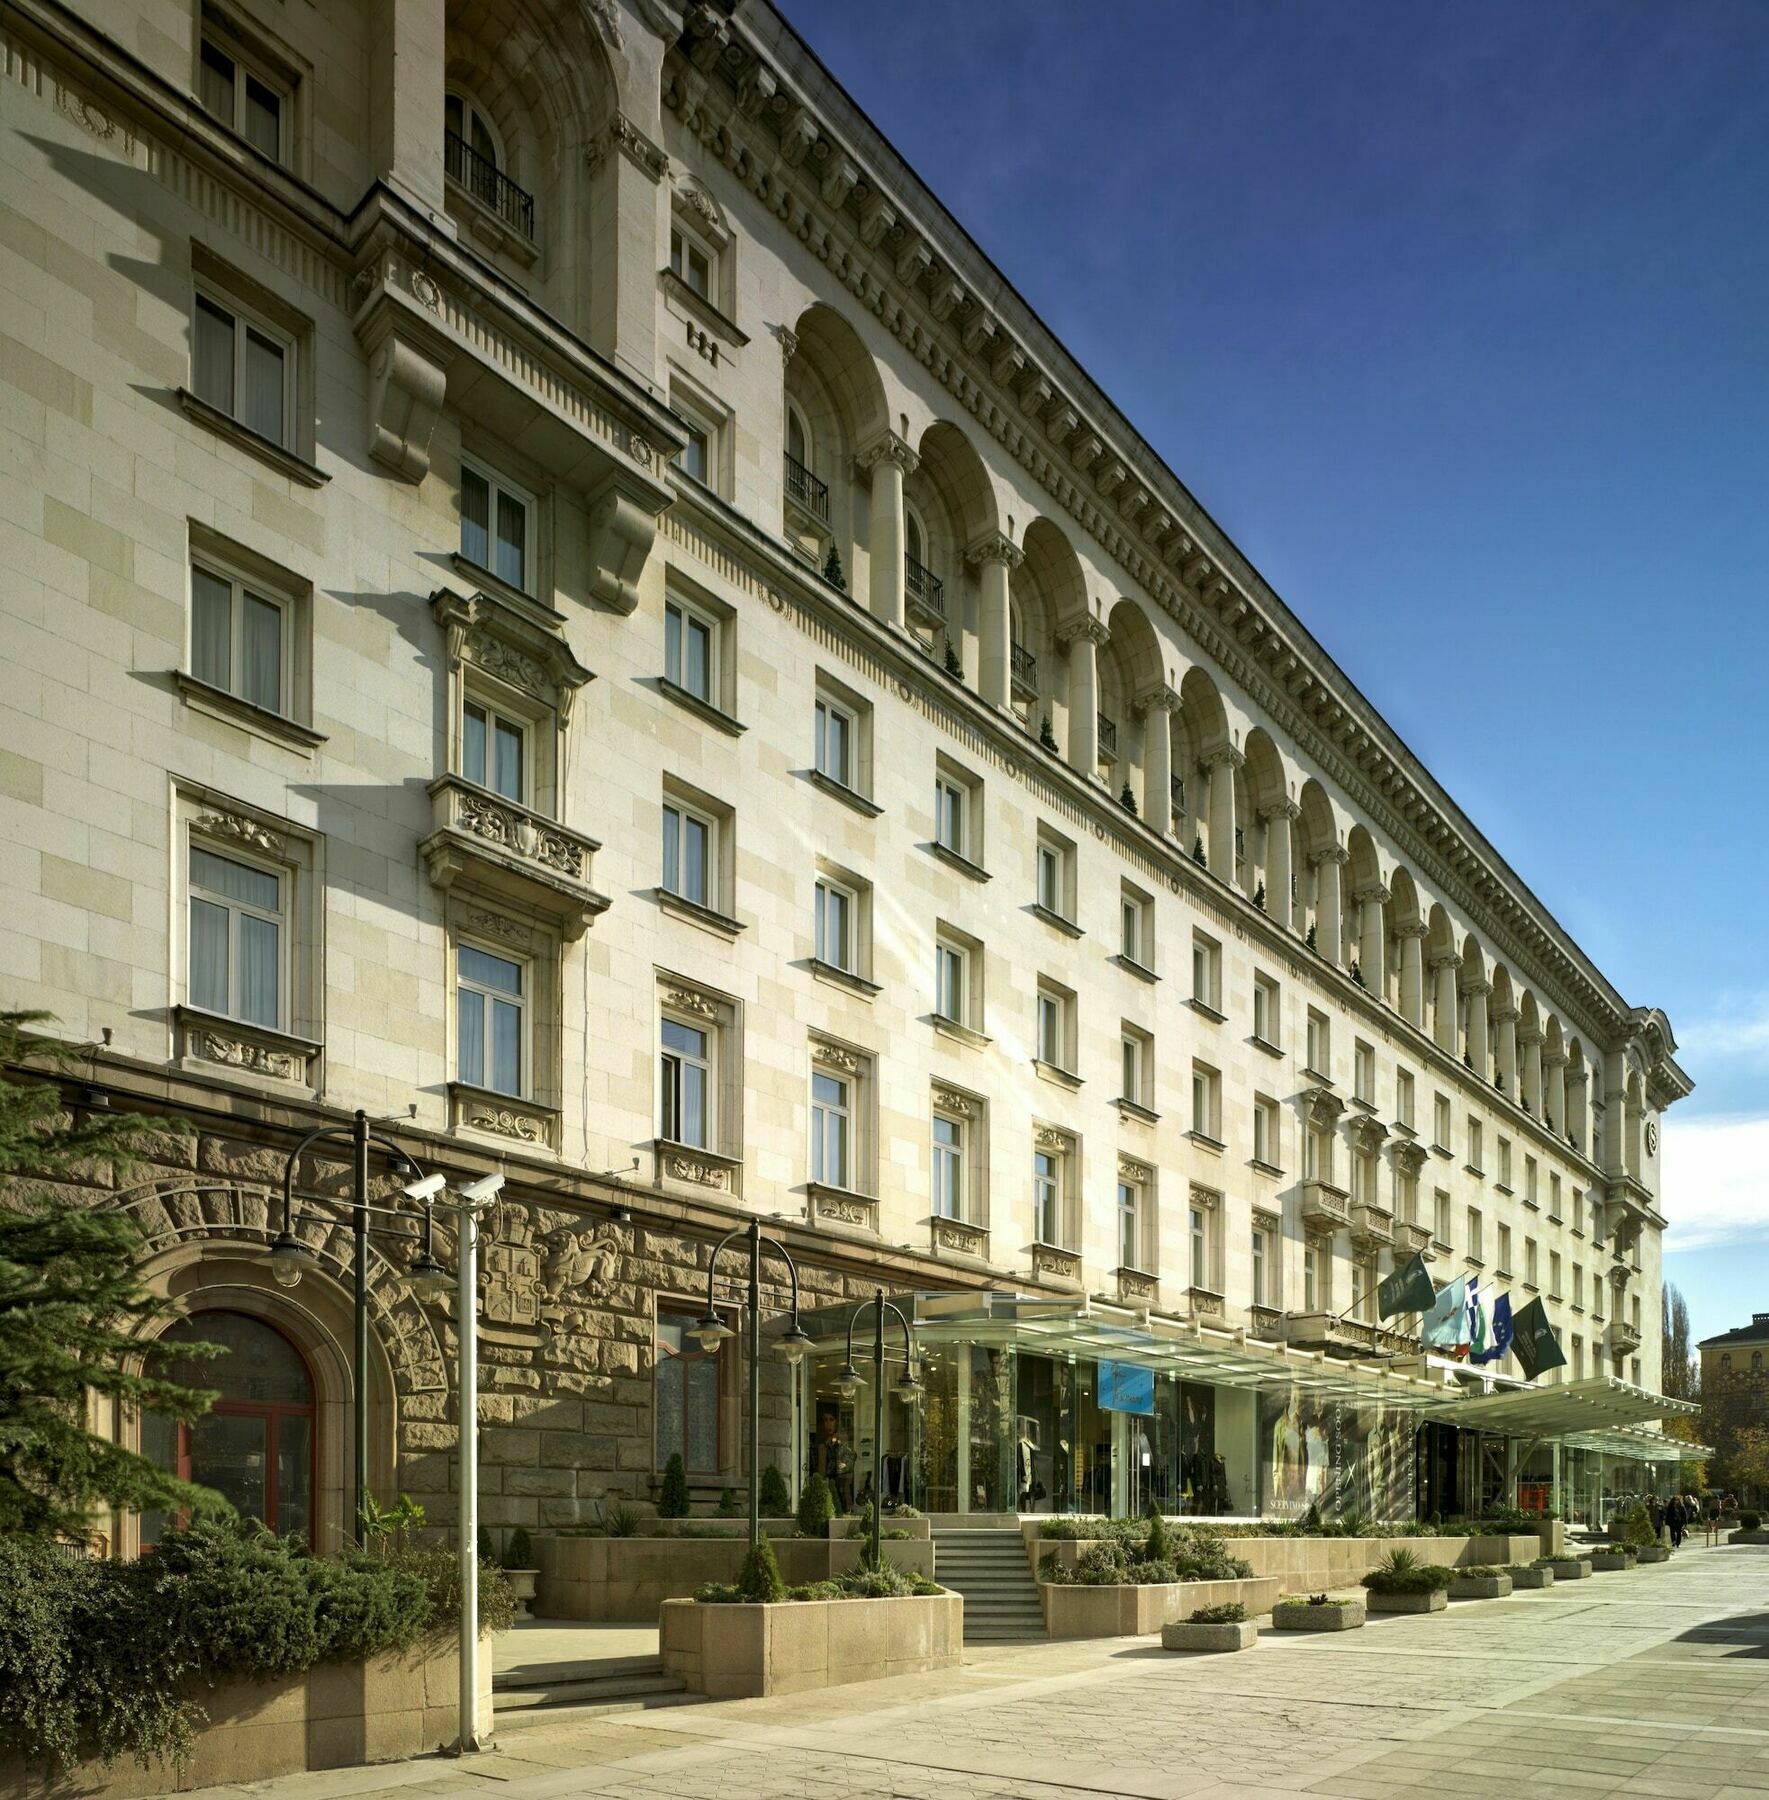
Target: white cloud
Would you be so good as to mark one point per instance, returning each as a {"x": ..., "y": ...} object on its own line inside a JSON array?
[
  {"x": 1715, "y": 1180},
  {"x": 1739, "y": 1034}
]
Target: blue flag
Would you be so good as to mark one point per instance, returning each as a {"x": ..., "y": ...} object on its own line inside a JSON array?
[
  {"x": 1499, "y": 1340},
  {"x": 1443, "y": 1326}
]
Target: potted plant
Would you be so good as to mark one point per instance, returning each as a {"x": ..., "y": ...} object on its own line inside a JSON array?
[
  {"x": 1401, "y": 1583},
  {"x": 1639, "y": 1537},
  {"x": 1319, "y": 1612},
  {"x": 521, "y": 1568},
  {"x": 1749, "y": 1530},
  {"x": 1480, "y": 1581},
  {"x": 1215, "y": 1628},
  {"x": 1570, "y": 1567},
  {"x": 1612, "y": 1559},
  {"x": 1537, "y": 1574}
]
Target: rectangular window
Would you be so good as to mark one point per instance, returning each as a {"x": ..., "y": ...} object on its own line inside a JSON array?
[
  {"x": 685, "y": 1387},
  {"x": 835, "y": 742},
  {"x": 1504, "y": 1148},
  {"x": 1554, "y": 1200},
  {"x": 1198, "y": 1223},
  {"x": 1129, "y": 1225},
  {"x": 1053, "y": 1027},
  {"x": 497, "y": 525},
  {"x": 1050, "y": 878},
  {"x": 691, "y": 262},
  {"x": 1363, "y": 1072},
  {"x": 1406, "y": 1196},
  {"x": 1207, "y": 971},
  {"x": 246, "y": 99},
  {"x": 1440, "y": 1122},
  {"x": 1474, "y": 1145},
  {"x": 1554, "y": 1274},
  {"x": 1047, "y": 1196},
  {"x": 238, "y": 938},
  {"x": 831, "y": 1129},
  {"x": 494, "y": 751},
  {"x": 1532, "y": 1177},
  {"x": 239, "y": 638},
  {"x": 1578, "y": 1284},
  {"x": 493, "y": 1023},
  {"x": 1206, "y": 1101},
  {"x": 690, "y": 844},
  {"x": 1531, "y": 1267},
  {"x": 1504, "y": 1249},
  {"x": 690, "y": 651},
  {"x": 951, "y": 981},
  {"x": 244, "y": 367},
  {"x": 1136, "y": 1066},
  {"x": 1476, "y": 1248},
  {"x": 836, "y": 909},
  {"x": 1440, "y": 1216},
  {"x": 1263, "y": 1292},
  {"x": 1265, "y": 1131},
  {"x": 948, "y": 1167},
  {"x": 1320, "y": 1043},
  {"x": 1314, "y": 1287},
  {"x": 686, "y": 1083},
  {"x": 1403, "y": 1098},
  {"x": 1266, "y": 1010},
  {"x": 950, "y": 804}
]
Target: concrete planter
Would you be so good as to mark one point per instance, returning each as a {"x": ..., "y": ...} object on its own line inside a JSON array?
[
  {"x": 1140, "y": 1611},
  {"x": 1184, "y": 1635},
  {"x": 1741, "y": 1536},
  {"x": 1609, "y": 1562},
  {"x": 735, "y": 1652},
  {"x": 628, "y": 1579},
  {"x": 1335, "y": 1615},
  {"x": 1571, "y": 1568},
  {"x": 846, "y": 1527},
  {"x": 1533, "y": 1578},
  {"x": 1480, "y": 1587},
  {"x": 1653, "y": 1553},
  {"x": 1434, "y": 1601},
  {"x": 333, "y": 1716}
]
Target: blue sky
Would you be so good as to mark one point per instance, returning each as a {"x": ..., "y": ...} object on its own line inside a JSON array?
[{"x": 1455, "y": 318}]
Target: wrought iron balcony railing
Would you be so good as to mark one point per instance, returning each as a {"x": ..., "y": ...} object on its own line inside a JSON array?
[
  {"x": 1025, "y": 673},
  {"x": 1108, "y": 737},
  {"x": 488, "y": 184},
  {"x": 804, "y": 489},
  {"x": 923, "y": 588}
]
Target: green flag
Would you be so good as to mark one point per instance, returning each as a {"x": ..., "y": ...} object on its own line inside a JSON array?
[
  {"x": 1406, "y": 1289},
  {"x": 1533, "y": 1342}
]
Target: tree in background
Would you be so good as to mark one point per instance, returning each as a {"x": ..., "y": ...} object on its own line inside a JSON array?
[
  {"x": 1678, "y": 1376},
  {"x": 1748, "y": 1466},
  {"x": 72, "y": 1309}
]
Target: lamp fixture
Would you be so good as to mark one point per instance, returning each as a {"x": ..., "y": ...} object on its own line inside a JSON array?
[
  {"x": 848, "y": 1381},
  {"x": 711, "y": 1332},
  {"x": 290, "y": 1259},
  {"x": 794, "y": 1342},
  {"x": 426, "y": 1276}
]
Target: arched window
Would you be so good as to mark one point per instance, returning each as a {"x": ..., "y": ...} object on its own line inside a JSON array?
[
  {"x": 1756, "y": 1362},
  {"x": 256, "y": 1444},
  {"x": 1725, "y": 1362},
  {"x": 472, "y": 153},
  {"x": 798, "y": 435}
]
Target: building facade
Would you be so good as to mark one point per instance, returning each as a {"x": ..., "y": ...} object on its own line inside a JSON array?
[
  {"x": 1734, "y": 1387},
  {"x": 558, "y": 599}
]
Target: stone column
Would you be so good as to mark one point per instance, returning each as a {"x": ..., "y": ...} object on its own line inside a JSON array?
[
  {"x": 1220, "y": 842},
  {"x": 1554, "y": 1090},
  {"x": 1329, "y": 909},
  {"x": 1529, "y": 1077},
  {"x": 1615, "y": 1113},
  {"x": 1576, "y": 1124},
  {"x": 627, "y": 247},
  {"x": 887, "y": 459},
  {"x": 1279, "y": 845},
  {"x": 1372, "y": 938},
  {"x": 1412, "y": 973},
  {"x": 1083, "y": 641},
  {"x": 407, "y": 64},
  {"x": 1505, "y": 1045},
  {"x": 1477, "y": 1050},
  {"x": 1156, "y": 709},
  {"x": 994, "y": 558},
  {"x": 1445, "y": 966}
]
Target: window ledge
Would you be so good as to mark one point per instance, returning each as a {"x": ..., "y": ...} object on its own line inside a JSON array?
[
  {"x": 1500, "y": 1269},
  {"x": 1363, "y": 1105},
  {"x": 1134, "y": 1109},
  {"x": 958, "y": 1236},
  {"x": 846, "y": 1207},
  {"x": 843, "y": 978},
  {"x": 1066, "y": 926},
  {"x": 959, "y": 861},
  {"x": 214, "y": 1043},
  {"x": 1500, "y": 1187},
  {"x": 959, "y": 1033},
  {"x": 218, "y": 703},
  {"x": 1531, "y": 1287},
  {"x": 1205, "y": 1141},
  {"x": 1474, "y": 1169},
  {"x": 489, "y": 227},
  {"x": 1533, "y": 1205},
  {"x": 1553, "y": 1218},
  {"x": 1575, "y": 1307},
  {"x": 701, "y": 709},
  {"x": 1315, "y": 1074},
  {"x": 1209, "y": 1012},
  {"x": 707, "y": 917},
  {"x": 702, "y": 308},
  {"x": 839, "y": 790},
  {"x": 1266, "y": 1045},
  {"x": 1141, "y": 971},
  {"x": 254, "y": 443},
  {"x": 478, "y": 576},
  {"x": 508, "y": 1116},
  {"x": 1062, "y": 1077},
  {"x": 1264, "y": 1168},
  {"x": 1577, "y": 1232},
  {"x": 1475, "y": 1262},
  {"x": 1401, "y": 1126},
  {"x": 694, "y": 1166},
  {"x": 1443, "y": 1150}
]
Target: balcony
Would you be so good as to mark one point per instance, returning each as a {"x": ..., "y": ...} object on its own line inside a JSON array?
[
  {"x": 1343, "y": 1337},
  {"x": 1136, "y": 1287},
  {"x": 1206, "y": 1305},
  {"x": 1108, "y": 737},
  {"x": 491, "y": 846},
  {"x": 1325, "y": 1207},
  {"x": 806, "y": 492},
  {"x": 1411, "y": 1238},
  {"x": 1624, "y": 1339},
  {"x": 512, "y": 206},
  {"x": 924, "y": 592},
  {"x": 1025, "y": 673},
  {"x": 1372, "y": 1226}
]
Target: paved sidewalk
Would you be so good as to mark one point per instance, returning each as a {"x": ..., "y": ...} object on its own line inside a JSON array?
[{"x": 1654, "y": 1683}]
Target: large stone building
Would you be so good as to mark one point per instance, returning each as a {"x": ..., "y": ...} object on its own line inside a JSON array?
[{"x": 556, "y": 597}]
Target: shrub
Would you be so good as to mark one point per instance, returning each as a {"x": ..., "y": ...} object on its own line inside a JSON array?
[
  {"x": 758, "y": 1581},
  {"x": 1157, "y": 1548},
  {"x": 1401, "y": 1572},
  {"x": 1226, "y": 1612},
  {"x": 730, "y": 1507},
  {"x": 1637, "y": 1528},
  {"x": 672, "y": 1500},
  {"x": 775, "y": 1500},
  {"x": 1750, "y": 1521},
  {"x": 816, "y": 1508},
  {"x": 519, "y": 1551},
  {"x": 487, "y": 1551},
  {"x": 622, "y": 1520},
  {"x": 1478, "y": 1571}
]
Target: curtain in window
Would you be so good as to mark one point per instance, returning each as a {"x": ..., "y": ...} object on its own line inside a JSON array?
[
  {"x": 235, "y": 880},
  {"x": 507, "y": 774},
  {"x": 261, "y": 654},
  {"x": 262, "y": 402},
  {"x": 471, "y": 1056},
  {"x": 211, "y": 633},
  {"x": 215, "y": 83},
  {"x": 512, "y": 549},
  {"x": 208, "y": 956},
  {"x": 475, "y": 518},
  {"x": 212, "y": 355},
  {"x": 262, "y": 124},
  {"x": 259, "y": 948},
  {"x": 506, "y": 1048}
]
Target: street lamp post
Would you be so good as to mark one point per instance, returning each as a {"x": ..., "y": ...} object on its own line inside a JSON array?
[
  {"x": 907, "y": 1389},
  {"x": 712, "y": 1331}
]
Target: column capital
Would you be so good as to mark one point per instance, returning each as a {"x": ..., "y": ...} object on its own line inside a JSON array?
[
  {"x": 992, "y": 547},
  {"x": 1530, "y": 1034},
  {"x": 1477, "y": 984},
  {"x": 1089, "y": 629},
  {"x": 788, "y": 340},
  {"x": 1153, "y": 700},
  {"x": 1281, "y": 809},
  {"x": 1374, "y": 890},
  {"x": 1225, "y": 753},
  {"x": 1334, "y": 853},
  {"x": 1506, "y": 1009},
  {"x": 887, "y": 447},
  {"x": 1553, "y": 1059},
  {"x": 1577, "y": 1077},
  {"x": 1444, "y": 959},
  {"x": 1414, "y": 928}
]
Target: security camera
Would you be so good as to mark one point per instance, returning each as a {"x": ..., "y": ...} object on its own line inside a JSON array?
[
  {"x": 426, "y": 1187},
  {"x": 487, "y": 1187}
]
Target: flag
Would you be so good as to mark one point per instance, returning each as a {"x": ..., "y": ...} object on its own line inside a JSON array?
[
  {"x": 1501, "y": 1334},
  {"x": 1534, "y": 1342},
  {"x": 1442, "y": 1328},
  {"x": 1406, "y": 1289},
  {"x": 1475, "y": 1336}
]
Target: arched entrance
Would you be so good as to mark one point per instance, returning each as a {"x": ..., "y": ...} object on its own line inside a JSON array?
[{"x": 258, "y": 1445}]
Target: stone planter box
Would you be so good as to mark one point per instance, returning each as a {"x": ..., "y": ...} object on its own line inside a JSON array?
[
  {"x": 849, "y": 1527},
  {"x": 1571, "y": 1568},
  {"x": 1480, "y": 1587},
  {"x": 1184, "y": 1635},
  {"x": 1140, "y": 1611},
  {"x": 1317, "y": 1565},
  {"x": 1434, "y": 1601},
  {"x": 1741, "y": 1536},
  {"x": 736, "y": 1652},
  {"x": 1608, "y": 1562},
  {"x": 625, "y": 1580},
  {"x": 333, "y": 1716},
  {"x": 1336, "y": 1615},
  {"x": 1533, "y": 1578},
  {"x": 1652, "y": 1553}
]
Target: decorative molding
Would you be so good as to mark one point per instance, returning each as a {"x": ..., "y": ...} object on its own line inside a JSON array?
[
  {"x": 1085, "y": 630},
  {"x": 255, "y": 1049},
  {"x": 960, "y": 1236},
  {"x": 1129, "y": 1169},
  {"x": 1321, "y": 1106},
  {"x": 621, "y": 134},
  {"x": 993, "y": 546},
  {"x": 887, "y": 447},
  {"x": 1056, "y": 1264},
  {"x": 1050, "y": 1137},
  {"x": 690, "y": 1000},
  {"x": 526, "y": 1122},
  {"x": 241, "y": 830},
  {"x": 836, "y": 1056},
  {"x": 954, "y": 1100}
]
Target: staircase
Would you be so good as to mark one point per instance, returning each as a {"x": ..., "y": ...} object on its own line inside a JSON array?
[
  {"x": 557, "y": 1692},
  {"x": 990, "y": 1570}
]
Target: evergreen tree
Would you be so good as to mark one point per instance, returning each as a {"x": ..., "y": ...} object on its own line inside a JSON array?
[
  {"x": 759, "y": 1580},
  {"x": 832, "y": 569},
  {"x": 1158, "y": 1548},
  {"x": 816, "y": 1508},
  {"x": 776, "y": 1502},
  {"x": 672, "y": 1503},
  {"x": 73, "y": 1313}
]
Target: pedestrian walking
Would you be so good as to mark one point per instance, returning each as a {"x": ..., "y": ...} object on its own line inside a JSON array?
[
  {"x": 1676, "y": 1518},
  {"x": 1713, "y": 1520}
]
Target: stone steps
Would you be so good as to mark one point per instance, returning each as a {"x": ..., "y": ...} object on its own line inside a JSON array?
[
  {"x": 553, "y": 1693},
  {"x": 990, "y": 1570}
]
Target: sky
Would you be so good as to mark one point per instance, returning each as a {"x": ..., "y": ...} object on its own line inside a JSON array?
[{"x": 1454, "y": 317}]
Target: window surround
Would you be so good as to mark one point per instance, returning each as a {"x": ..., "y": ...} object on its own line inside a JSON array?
[
  {"x": 835, "y": 701},
  {"x": 1136, "y": 1194},
  {"x": 1053, "y": 881},
  {"x": 717, "y": 1165},
  {"x": 1206, "y": 1106},
  {"x": 957, "y": 837},
  {"x": 1268, "y": 1012},
  {"x": 1136, "y": 931},
  {"x": 1319, "y": 1046},
  {"x": 843, "y": 1194},
  {"x": 714, "y": 912},
  {"x": 1136, "y": 1057},
  {"x": 1268, "y": 1145},
  {"x": 1204, "y": 1241},
  {"x": 256, "y": 53},
  {"x": 1054, "y": 1016},
  {"x": 967, "y": 1027},
  {"x": 500, "y": 484},
  {"x": 1206, "y": 995},
  {"x": 695, "y": 608},
  {"x": 697, "y": 222},
  {"x": 854, "y": 972},
  {"x": 1056, "y": 1157},
  {"x": 706, "y": 418},
  {"x": 966, "y": 1232},
  {"x": 532, "y": 1118}
]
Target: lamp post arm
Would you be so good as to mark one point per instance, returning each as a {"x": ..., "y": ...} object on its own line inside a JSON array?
[
  {"x": 314, "y": 1137},
  {"x": 792, "y": 1269},
  {"x": 712, "y": 1265}
]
